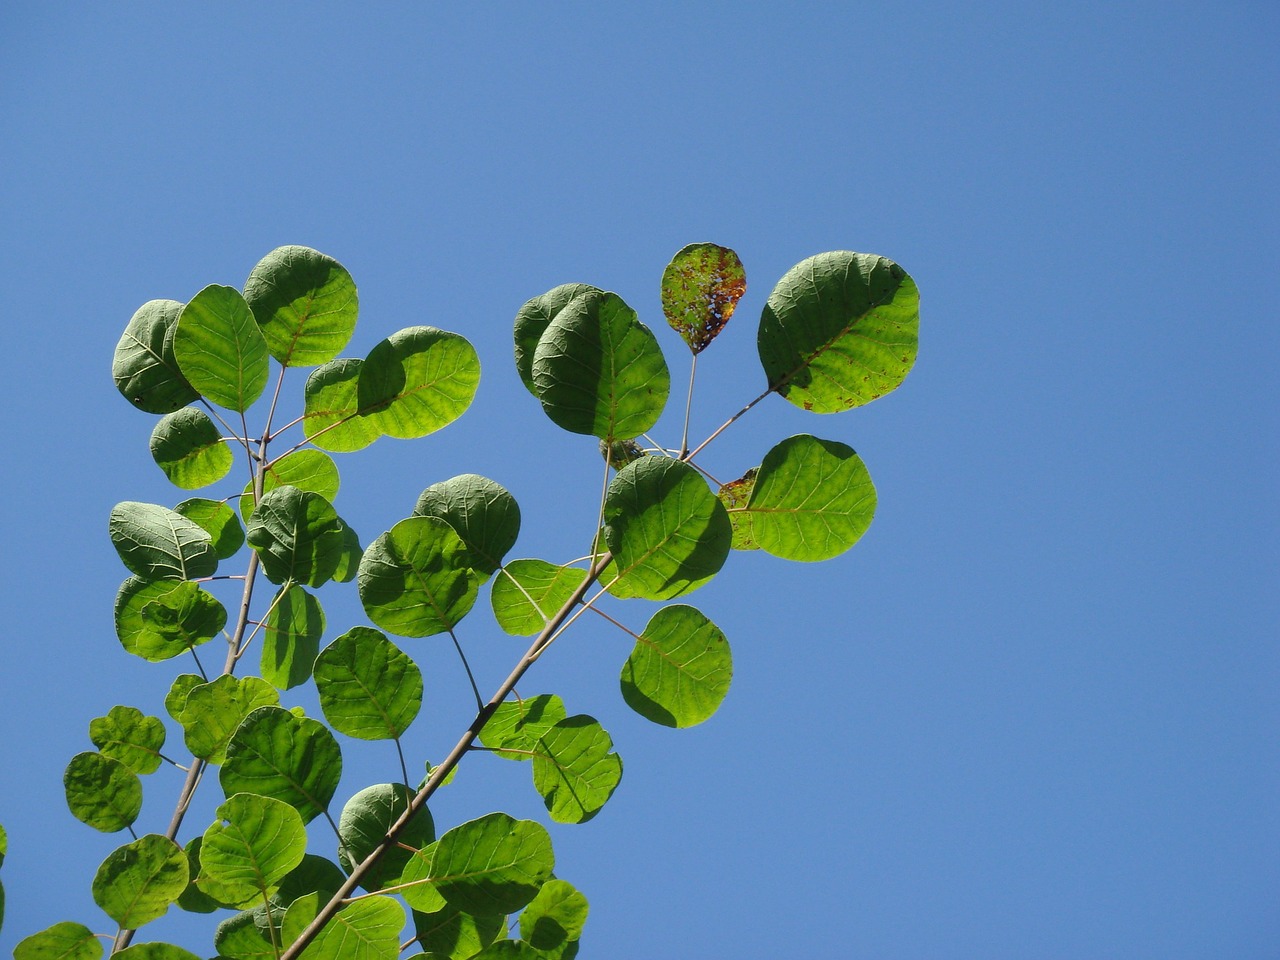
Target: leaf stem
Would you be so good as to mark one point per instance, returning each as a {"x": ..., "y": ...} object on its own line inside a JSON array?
[
  {"x": 724, "y": 426},
  {"x": 688, "y": 407}
]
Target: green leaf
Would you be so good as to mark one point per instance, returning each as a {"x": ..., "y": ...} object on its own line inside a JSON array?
[
  {"x": 287, "y": 757},
  {"x": 417, "y": 381},
  {"x": 213, "y": 711},
  {"x": 247, "y": 935},
  {"x": 62, "y": 941},
  {"x": 220, "y": 348},
  {"x": 368, "y": 929},
  {"x": 734, "y": 495},
  {"x": 416, "y": 580},
  {"x": 415, "y": 881},
  {"x": 308, "y": 470},
  {"x": 291, "y": 635},
  {"x": 297, "y": 535},
  {"x": 512, "y": 950},
  {"x": 493, "y": 865},
  {"x": 518, "y": 725},
  {"x": 305, "y": 303},
  {"x": 667, "y": 531},
  {"x": 250, "y": 848},
  {"x": 352, "y": 552},
  {"x": 555, "y": 918},
  {"x": 575, "y": 769},
  {"x": 527, "y": 593},
  {"x": 680, "y": 669},
  {"x": 532, "y": 321},
  {"x": 188, "y": 447},
  {"x": 159, "y": 544},
  {"x": 102, "y": 792},
  {"x": 368, "y": 688},
  {"x": 456, "y": 935},
  {"x": 331, "y": 408},
  {"x": 159, "y": 619},
  {"x": 144, "y": 368},
  {"x": 481, "y": 512},
  {"x": 700, "y": 289},
  {"x": 218, "y": 520},
  {"x": 155, "y": 951},
  {"x": 598, "y": 370},
  {"x": 314, "y": 874},
  {"x": 839, "y": 330},
  {"x": 365, "y": 822},
  {"x": 137, "y": 882},
  {"x": 175, "y": 701},
  {"x": 193, "y": 899},
  {"x": 128, "y": 735},
  {"x": 812, "y": 499}
]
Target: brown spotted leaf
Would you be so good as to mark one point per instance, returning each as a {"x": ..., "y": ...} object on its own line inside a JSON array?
[{"x": 700, "y": 289}]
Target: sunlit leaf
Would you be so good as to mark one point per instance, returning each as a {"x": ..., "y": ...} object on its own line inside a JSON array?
[
  {"x": 513, "y": 950},
  {"x": 493, "y": 865},
  {"x": 839, "y": 330},
  {"x": 527, "y": 593},
  {"x": 175, "y": 701},
  {"x": 291, "y": 635},
  {"x": 297, "y": 535},
  {"x": 128, "y": 735},
  {"x": 482, "y": 512},
  {"x": 575, "y": 769},
  {"x": 532, "y": 321},
  {"x": 157, "y": 543},
  {"x": 155, "y": 951},
  {"x": 248, "y": 850},
  {"x": 144, "y": 369},
  {"x": 102, "y": 792},
  {"x": 415, "y": 880},
  {"x": 598, "y": 370},
  {"x": 220, "y": 349},
  {"x": 189, "y": 448},
  {"x": 701, "y": 286},
  {"x": 331, "y": 411},
  {"x": 367, "y": 929},
  {"x": 367, "y": 818},
  {"x": 555, "y": 917},
  {"x": 418, "y": 380},
  {"x": 277, "y": 754},
  {"x": 309, "y": 470},
  {"x": 455, "y": 935},
  {"x": 368, "y": 688},
  {"x": 62, "y": 941},
  {"x": 516, "y": 726},
  {"x": 193, "y": 899},
  {"x": 137, "y": 882},
  {"x": 159, "y": 619},
  {"x": 305, "y": 303},
  {"x": 212, "y": 711},
  {"x": 218, "y": 520},
  {"x": 417, "y": 580},
  {"x": 680, "y": 669},
  {"x": 247, "y": 936}
]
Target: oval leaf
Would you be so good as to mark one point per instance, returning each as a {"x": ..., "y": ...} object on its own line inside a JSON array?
[
  {"x": 481, "y": 512},
  {"x": 220, "y": 348},
  {"x": 416, "y": 579},
  {"x": 297, "y": 535},
  {"x": 304, "y": 302},
  {"x": 575, "y": 769},
  {"x": 277, "y": 754},
  {"x": 446, "y": 932},
  {"x": 367, "y": 818},
  {"x": 839, "y": 330},
  {"x": 254, "y": 842},
  {"x": 157, "y": 543},
  {"x": 417, "y": 381},
  {"x": 308, "y": 470},
  {"x": 700, "y": 289},
  {"x": 368, "y": 929},
  {"x": 211, "y": 712},
  {"x": 598, "y": 370},
  {"x": 144, "y": 368},
  {"x": 492, "y": 865},
  {"x": 680, "y": 669},
  {"x": 368, "y": 688},
  {"x": 555, "y": 918},
  {"x": 188, "y": 447},
  {"x": 516, "y": 726},
  {"x": 218, "y": 520},
  {"x": 62, "y": 941},
  {"x": 155, "y": 951},
  {"x": 102, "y": 792},
  {"x": 532, "y": 321},
  {"x": 137, "y": 882},
  {"x": 291, "y": 635},
  {"x": 528, "y": 593},
  {"x": 159, "y": 619},
  {"x": 128, "y": 735},
  {"x": 331, "y": 408}
]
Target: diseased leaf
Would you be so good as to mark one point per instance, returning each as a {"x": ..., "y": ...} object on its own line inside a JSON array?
[
  {"x": 701, "y": 286},
  {"x": 157, "y": 543},
  {"x": 220, "y": 349},
  {"x": 102, "y": 792},
  {"x": 481, "y": 512},
  {"x": 189, "y": 448},
  {"x": 734, "y": 495},
  {"x": 137, "y": 882},
  {"x": 417, "y": 380},
  {"x": 218, "y": 520},
  {"x": 680, "y": 669},
  {"x": 128, "y": 735},
  {"x": 368, "y": 688},
  {"x": 575, "y": 769},
  {"x": 527, "y": 593},
  {"x": 493, "y": 865},
  {"x": 417, "y": 580},
  {"x": 291, "y": 636},
  {"x": 367, "y": 818},
  {"x": 159, "y": 619},
  {"x": 305, "y": 303},
  {"x": 532, "y": 321},
  {"x": 277, "y": 754},
  {"x": 145, "y": 369},
  {"x": 297, "y": 535}
]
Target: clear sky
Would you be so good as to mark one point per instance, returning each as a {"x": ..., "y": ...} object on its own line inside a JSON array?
[{"x": 1033, "y": 713}]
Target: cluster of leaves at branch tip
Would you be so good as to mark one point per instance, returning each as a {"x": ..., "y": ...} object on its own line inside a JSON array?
[{"x": 838, "y": 330}]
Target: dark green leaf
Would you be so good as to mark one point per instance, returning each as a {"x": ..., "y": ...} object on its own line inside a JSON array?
[
  {"x": 159, "y": 619},
  {"x": 533, "y": 319},
  {"x": 280, "y": 755},
  {"x": 212, "y": 712},
  {"x": 368, "y": 688},
  {"x": 456, "y": 935},
  {"x": 598, "y": 370},
  {"x": 331, "y": 417},
  {"x": 188, "y": 447},
  {"x": 839, "y": 330},
  {"x": 137, "y": 882},
  {"x": 700, "y": 289},
  {"x": 291, "y": 636},
  {"x": 518, "y": 725},
  {"x": 155, "y": 951},
  {"x": 417, "y": 381},
  {"x": 159, "y": 544},
  {"x": 297, "y": 535},
  {"x": 368, "y": 929},
  {"x": 62, "y": 941},
  {"x": 416, "y": 580},
  {"x": 309, "y": 470},
  {"x": 145, "y": 370},
  {"x": 493, "y": 865},
  {"x": 128, "y": 735},
  {"x": 247, "y": 936},
  {"x": 314, "y": 874},
  {"x": 102, "y": 792},
  {"x": 249, "y": 849},
  {"x": 305, "y": 303},
  {"x": 555, "y": 918},
  {"x": 511, "y": 950},
  {"x": 218, "y": 520},
  {"x": 220, "y": 349},
  {"x": 193, "y": 899},
  {"x": 680, "y": 669},
  {"x": 481, "y": 512},
  {"x": 527, "y": 593},
  {"x": 367, "y": 818},
  {"x": 575, "y": 769}
]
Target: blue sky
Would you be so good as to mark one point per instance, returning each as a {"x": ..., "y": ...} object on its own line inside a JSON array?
[{"x": 1033, "y": 713}]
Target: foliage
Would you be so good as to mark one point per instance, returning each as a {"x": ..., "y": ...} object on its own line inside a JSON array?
[{"x": 838, "y": 331}]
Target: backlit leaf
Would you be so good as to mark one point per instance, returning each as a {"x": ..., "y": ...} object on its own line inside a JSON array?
[
  {"x": 188, "y": 447},
  {"x": 493, "y": 865},
  {"x": 309, "y": 470},
  {"x": 218, "y": 520},
  {"x": 416, "y": 580},
  {"x": 418, "y": 380},
  {"x": 157, "y": 543},
  {"x": 193, "y": 899},
  {"x": 839, "y": 330},
  {"x": 297, "y": 535},
  {"x": 701, "y": 286},
  {"x": 575, "y": 769},
  {"x": 532, "y": 321},
  {"x": 291, "y": 635},
  {"x": 159, "y": 619},
  {"x": 220, "y": 349},
  {"x": 305, "y": 304},
  {"x": 555, "y": 917},
  {"x": 248, "y": 850},
  {"x": 102, "y": 792},
  {"x": 155, "y": 951},
  {"x": 287, "y": 757},
  {"x": 144, "y": 369},
  {"x": 175, "y": 701},
  {"x": 368, "y": 688},
  {"x": 368, "y": 929},
  {"x": 247, "y": 935},
  {"x": 455, "y": 935},
  {"x": 212, "y": 711},
  {"x": 680, "y": 669},
  {"x": 128, "y": 735},
  {"x": 62, "y": 941},
  {"x": 367, "y": 818},
  {"x": 527, "y": 593},
  {"x": 734, "y": 495},
  {"x": 137, "y": 882},
  {"x": 415, "y": 880},
  {"x": 331, "y": 411},
  {"x": 518, "y": 725},
  {"x": 482, "y": 512}
]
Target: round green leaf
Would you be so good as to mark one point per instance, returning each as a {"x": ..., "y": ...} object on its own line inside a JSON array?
[
  {"x": 416, "y": 579},
  {"x": 159, "y": 619},
  {"x": 701, "y": 286},
  {"x": 367, "y": 818},
  {"x": 137, "y": 882},
  {"x": 415, "y": 881},
  {"x": 175, "y": 701},
  {"x": 308, "y": 470},
  {"x": 155, "y": 951},
  {"x": 598, "y": 370},
  {"x": 527, "y": 593},
  {"x": 62, "y": 941},
  {"x": 212, "y": 712},
  {"x": 481, "y": 512},
  {"x": 447, "y": 932},
  {"x": 220, "y": 348},
  {"x": 291, "y": 635},
  {"x": 160, "y": 544},
  {"x": 277, "y": 754},
  {"x": 128, "y": 735},
  {"x": 247, "y": 851},
  {"x": 839, "y": 330},
  {"x": 332, "y": 417},
  {"x": 367, "y": 929},
  {"x": 518, "y": 725},
  {"x": 368, "y": 688},
  {"x": 305, "y": 303},
  {"x": 532, "y": 321},
  {"x": 812, "y": 499},
  {"x": 667, "y": 531},
  {"x": 102, "y": 792},
  {"x": 555, "y": 917},
  {"x": 188, "y": 447},
  {"x": 144, "y": 368},
  {"x": 417, "y": 381},
  {"x": 297, "y": 535},
  {"x": 516, "y": 950},
  {"x": 247, "y": 935},
  {"x": 575, "y": 769},
  {"x": 492, "y": 865},
  {"x": 680, "y": 669},
  {"x": 218, "y": 520}
]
